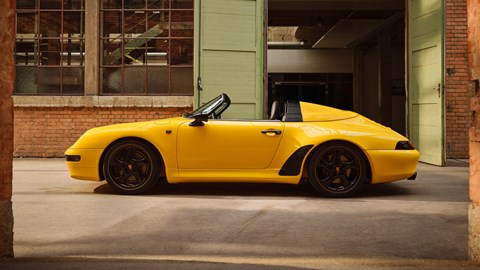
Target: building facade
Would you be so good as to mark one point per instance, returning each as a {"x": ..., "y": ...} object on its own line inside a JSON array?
[
  {"x": 82, "y": 64},
  {"x": 85, "y": 63}
]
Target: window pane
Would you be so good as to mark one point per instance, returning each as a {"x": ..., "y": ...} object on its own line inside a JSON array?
[
  {"x": 137, "y": 38},
  {"x": 51, "y": 4},
  {"x": 134, "y": 4},
  {"x": 112, "y": 24},
  {"x": 157, "y": 52},
  {"x": 49, "y": 80},
  {"x": 111, "y": 80},
  {"x": 26, "y": 25},
  {"x": 50, "y": 25},
  {"x": 157, "y": 80},
  {"x": 182, "y": 4},
  {"x": 182, "y": 52},
  {"x": 158, "y": 4},
  {"x": 72, "y": 52},
  {"x": 49, "y": 39},
  {"x": 25, "y": 80},
  {"x": 112, "y": 4},
  {"x": 157, "y": 24},
  {"x": 72, "y": 81},
  {"x": 50, "y": 52},
  {"x": 134, "y": 51},
  {"x": 73, "y": 23},
  {"x": 134, "y": 80},
  {"x": 26, "y": 4},
  {"x": 182, "y": 24},
  {"x": 134, "y": 23},
  {"x": 182, "y": 80},
  {"x": 25, "y": 52},
  {"x": 112, "y": 52},
  {"x": 73, "y": 4}
]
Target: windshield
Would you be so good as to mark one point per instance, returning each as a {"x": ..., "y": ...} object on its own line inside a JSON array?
[{"x": 214, "y": 108}]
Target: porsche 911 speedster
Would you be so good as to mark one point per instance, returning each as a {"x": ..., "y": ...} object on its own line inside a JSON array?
[{"x": 337, "y": 151}]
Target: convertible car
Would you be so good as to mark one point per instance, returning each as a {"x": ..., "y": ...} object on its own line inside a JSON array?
[{"x": 337, "y": 151}]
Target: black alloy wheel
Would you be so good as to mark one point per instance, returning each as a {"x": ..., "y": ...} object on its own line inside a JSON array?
[
  {"x": 131, "y": 167},
  {"x": 337, "y": 169}
]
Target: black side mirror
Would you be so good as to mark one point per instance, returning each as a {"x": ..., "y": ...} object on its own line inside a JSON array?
[{"x": 199, "y": 119}]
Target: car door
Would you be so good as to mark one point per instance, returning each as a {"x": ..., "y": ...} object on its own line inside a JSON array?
[{"x": 221, "y": 144}]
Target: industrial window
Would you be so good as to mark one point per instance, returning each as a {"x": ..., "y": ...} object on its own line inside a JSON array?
[
  {"x": 147, "y": 47},
  {"x": 49, "y": 51}
]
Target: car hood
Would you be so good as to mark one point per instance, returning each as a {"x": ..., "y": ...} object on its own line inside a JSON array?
[{"x": 319, "y": 113}]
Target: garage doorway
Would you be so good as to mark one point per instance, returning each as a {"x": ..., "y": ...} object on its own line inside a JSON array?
[{"x": 345, "y": 54}]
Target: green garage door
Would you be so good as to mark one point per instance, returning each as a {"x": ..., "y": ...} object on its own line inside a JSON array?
[
  {"x": 426, "y": 78},
  {"x": 229, "y": 57}
]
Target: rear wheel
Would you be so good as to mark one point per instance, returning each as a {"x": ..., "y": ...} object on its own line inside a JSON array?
[
  {"x": 131, "y": 167},
  {"x": 337, "y": 169}
]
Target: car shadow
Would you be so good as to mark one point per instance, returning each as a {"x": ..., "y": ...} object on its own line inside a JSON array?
[{"x": 259, "y": 190}]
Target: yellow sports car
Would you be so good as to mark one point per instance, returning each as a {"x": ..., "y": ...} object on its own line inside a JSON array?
[{"x": 337, "y": 151}]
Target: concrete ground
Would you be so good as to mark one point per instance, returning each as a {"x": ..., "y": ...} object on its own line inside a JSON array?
[{"x": 64, "y": 223}]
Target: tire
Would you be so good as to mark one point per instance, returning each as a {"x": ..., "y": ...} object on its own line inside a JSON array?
[
  {"x": 337, "y": 169},
  {"x": 131, "y": 167}
]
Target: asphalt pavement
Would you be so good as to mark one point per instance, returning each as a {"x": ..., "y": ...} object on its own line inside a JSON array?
[{"x": 64, "y": 223}]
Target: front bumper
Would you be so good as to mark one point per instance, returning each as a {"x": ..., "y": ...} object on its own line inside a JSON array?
[{"x": 83, "y": 164}]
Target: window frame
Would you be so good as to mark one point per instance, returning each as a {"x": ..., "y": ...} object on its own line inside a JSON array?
[
  {"x": 60, "y": 84},
  {"x": 122, "y": 66}
]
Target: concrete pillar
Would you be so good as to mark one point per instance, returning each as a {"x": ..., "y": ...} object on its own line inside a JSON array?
[
  {"x": 92, "y": 48},
  {"x": 7, "y": 80},
  {"x": 474, "y": 135}
]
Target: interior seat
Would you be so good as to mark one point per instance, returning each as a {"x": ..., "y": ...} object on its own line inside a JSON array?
[{"x": 275, "y": 110}]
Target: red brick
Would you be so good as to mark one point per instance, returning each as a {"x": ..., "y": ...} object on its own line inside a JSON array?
[{"x": 37, "y": 137}]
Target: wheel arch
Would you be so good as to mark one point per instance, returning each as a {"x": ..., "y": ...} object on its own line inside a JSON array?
[
  {"x": 315, "y": 149},
  {"x": 155, "y": 149}
]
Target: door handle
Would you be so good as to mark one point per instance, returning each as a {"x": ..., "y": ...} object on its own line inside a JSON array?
[{"x": 272, "y": 132}]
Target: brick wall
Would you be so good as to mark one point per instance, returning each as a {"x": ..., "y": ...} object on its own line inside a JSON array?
[
  {"x": 48, "y": 132},
  {"x": 456, "y": 90}
]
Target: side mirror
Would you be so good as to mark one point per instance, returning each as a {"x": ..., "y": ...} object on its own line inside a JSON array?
[{"x": 199, "y": 119}]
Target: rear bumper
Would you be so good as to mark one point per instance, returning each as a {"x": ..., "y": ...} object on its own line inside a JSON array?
[{"x": 393, "y": 165}]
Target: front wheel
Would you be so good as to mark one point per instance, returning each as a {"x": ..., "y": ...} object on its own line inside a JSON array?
[
  {"x": 337, "y": 170},
  {"x": 131, "y": 167}
]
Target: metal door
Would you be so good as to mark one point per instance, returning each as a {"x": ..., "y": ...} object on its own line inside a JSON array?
[
  {"x": 226, "y": 145},
  {"x": 426, "y": 78},
  {"x": 229, "y": 57}
]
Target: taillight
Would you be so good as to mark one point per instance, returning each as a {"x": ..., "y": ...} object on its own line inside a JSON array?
[{"x": 404, "y": 145}]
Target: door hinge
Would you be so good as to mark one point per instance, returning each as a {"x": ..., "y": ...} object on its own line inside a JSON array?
[
  {"x": 199, "y": 84},
  {"x": 439, "y": 89}
]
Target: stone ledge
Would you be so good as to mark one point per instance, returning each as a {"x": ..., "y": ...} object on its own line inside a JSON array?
[{"x": 104, "y": 101}]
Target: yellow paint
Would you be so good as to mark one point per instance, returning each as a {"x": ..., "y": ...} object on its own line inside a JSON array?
[{"x": 238, "y": 151}]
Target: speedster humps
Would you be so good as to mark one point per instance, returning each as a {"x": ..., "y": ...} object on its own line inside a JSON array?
[{"x": 337, "y": 151}]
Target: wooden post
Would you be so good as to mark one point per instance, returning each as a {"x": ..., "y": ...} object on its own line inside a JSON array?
[{"x": 7, "y": 82}]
